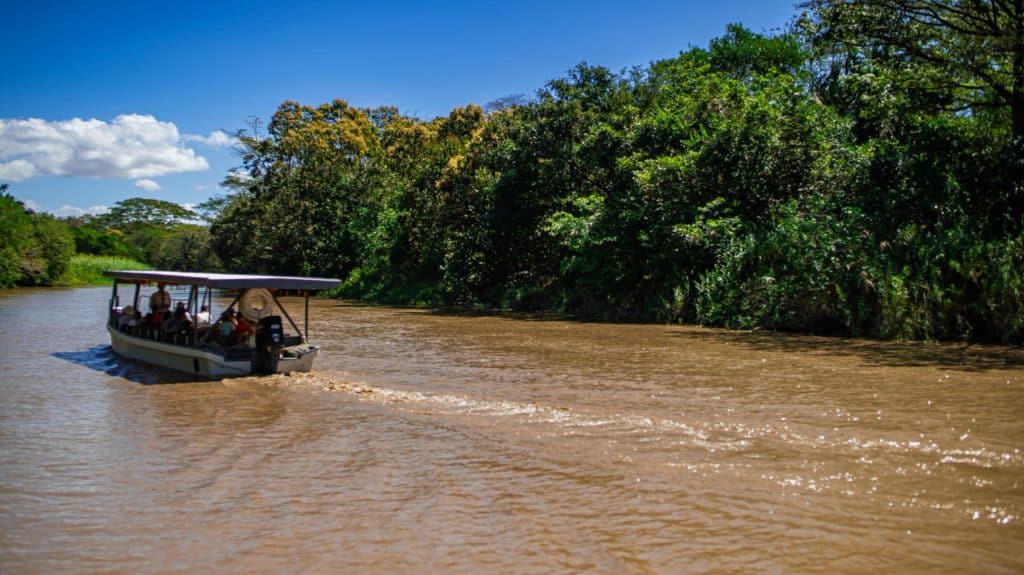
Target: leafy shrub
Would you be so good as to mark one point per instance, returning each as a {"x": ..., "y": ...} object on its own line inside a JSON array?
[
  {"x": 9, "y": 272},
  {"x": 810, "y": 271},
  {"x": 86, "y": 269}
]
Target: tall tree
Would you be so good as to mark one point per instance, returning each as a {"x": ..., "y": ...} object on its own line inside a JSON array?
[
  {"x": 307, "y": 178},
  {"x": 965, "y": 55},
  {"x": 15, "y": 237},
  {"x": 134, "y": 213},
  {"x": 35, "y": 249}
]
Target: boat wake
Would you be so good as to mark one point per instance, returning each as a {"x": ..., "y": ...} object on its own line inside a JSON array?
[{"x": 848, "y": 465}]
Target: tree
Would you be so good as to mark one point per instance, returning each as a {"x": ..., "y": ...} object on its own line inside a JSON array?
[
  {"x": 306, "y": 182},
  {"x": 161, "y": 233},
  {"x": 506, "y": 103},
  {"x": 35, "y": 249},
  {"x": 47, "y": 256},
  {"x": 101, "y": 242},
  {"x": 15, "y": 235},
  {"x": 188, "y": 248},
  {"x": 960, "y": 55},
  {"x": 866, "y": 187},
  {"x": 134, "y": 213},
  {"x": 744, "y": 54},
  {"x": 936, "y": 90}
]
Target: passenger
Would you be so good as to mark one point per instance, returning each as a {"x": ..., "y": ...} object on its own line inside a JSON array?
[
  {"x": 124, "y": 321},
  {"x": 202, "y": 323},
  {"x": 226, "y": 326},
  {"x": 177, "y": 324},
  {"x": 203, "y": 318},
  {"x": 181, "y": 313},
  {"x": 160, "y": 300},
  {"x": 242, "y": 331},
  {"x": 179, "y": 321},
  {"x": 171, "y": 325}
]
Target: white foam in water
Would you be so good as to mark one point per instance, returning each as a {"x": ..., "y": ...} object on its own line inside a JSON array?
[
  {"x": 713, "y": 436},
  {"x": 530, "y": 411}
]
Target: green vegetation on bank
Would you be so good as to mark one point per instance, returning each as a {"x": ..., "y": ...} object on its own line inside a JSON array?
[
  {"x": 138, "y": 233},
  {"x": 86, "y": 269},
  {"x": 859, "y": 174},
  {"x": 35, "y": 249}
]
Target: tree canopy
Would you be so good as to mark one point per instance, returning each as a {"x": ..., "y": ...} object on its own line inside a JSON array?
[
  {"x": 956, "y": 55},
  {"x": 135, "y": 213},
  {"x": 35, "y": 249},
  {"x": 857, "y": 174}
]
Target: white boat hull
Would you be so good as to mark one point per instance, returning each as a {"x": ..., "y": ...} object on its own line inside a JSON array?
[{"x": 197, "y": 361}]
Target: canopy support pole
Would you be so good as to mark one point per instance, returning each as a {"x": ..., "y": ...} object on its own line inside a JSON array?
[
  {"x": 113, "y": 303},
  {"x": 285, "y": 312}
]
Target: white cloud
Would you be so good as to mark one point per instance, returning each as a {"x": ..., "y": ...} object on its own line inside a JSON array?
[
  {"x": 148, "y": 185},
  {"x": 217, "y": 138},
  {"x": 67, "y": 211},
  {"x": 132, "y": 146},
  {"x": 241, "y": 176},
  {"x": 32, "y": 205},
  {"x": 16, "y": 170}
]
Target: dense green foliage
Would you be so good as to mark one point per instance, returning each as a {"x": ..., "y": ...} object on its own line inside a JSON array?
[
  {"x": 860, "y": 174},
  {"x": 161, "y": 234},
  {"x": 822, "y": 180},
  {"x": 39, "y": 250},
  {"x": 86, "y": 269},
  {"x": 100, "y": 241},
  {"x": 933, "y": 55},
  {"x": 35, "y": 249}
]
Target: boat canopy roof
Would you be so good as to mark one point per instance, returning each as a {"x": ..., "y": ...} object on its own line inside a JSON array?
[{"x": 223, "y": 281}]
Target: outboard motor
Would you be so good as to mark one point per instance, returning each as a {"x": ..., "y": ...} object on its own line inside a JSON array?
[{"x": 269, "y": 341}]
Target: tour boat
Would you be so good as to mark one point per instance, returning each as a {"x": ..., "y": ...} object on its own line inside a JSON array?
[{"x": 160, "y": 332}]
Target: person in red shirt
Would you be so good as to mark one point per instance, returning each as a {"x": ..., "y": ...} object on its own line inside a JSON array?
[{"x": 242, "y": 331}]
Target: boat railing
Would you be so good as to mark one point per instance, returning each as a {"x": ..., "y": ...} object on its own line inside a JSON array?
[
  {"x": 205, "y": 338},
  {"x": 184, "y": 337}
]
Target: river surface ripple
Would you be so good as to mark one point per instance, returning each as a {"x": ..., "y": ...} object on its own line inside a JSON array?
[{"x": 461, "y": 443}]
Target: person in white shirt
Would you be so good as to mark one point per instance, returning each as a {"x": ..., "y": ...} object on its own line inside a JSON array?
[{"x": 203, "y": 317}]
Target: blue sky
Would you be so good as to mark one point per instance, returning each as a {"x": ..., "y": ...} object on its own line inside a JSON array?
[{"x": 107, "y": 101}]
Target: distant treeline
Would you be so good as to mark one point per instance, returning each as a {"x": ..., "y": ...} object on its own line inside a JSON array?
[{"x": 37, "y": 249}]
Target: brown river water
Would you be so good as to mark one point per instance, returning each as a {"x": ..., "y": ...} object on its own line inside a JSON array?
[{"x": 431, "y": 442}]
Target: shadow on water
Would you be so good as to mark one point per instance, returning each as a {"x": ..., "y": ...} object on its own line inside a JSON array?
[
  {"x": 976, "y": 358},
  {"x": 962, "y": 357},
  {"x": 459, "y": 312},
  {"x": 102, "y": 358}
]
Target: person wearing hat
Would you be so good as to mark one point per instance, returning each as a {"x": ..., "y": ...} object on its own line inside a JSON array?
[{"x": 243, "y": 329}]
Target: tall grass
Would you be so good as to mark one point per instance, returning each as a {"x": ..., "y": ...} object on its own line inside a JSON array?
[{"x": 87, "y": 269}]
